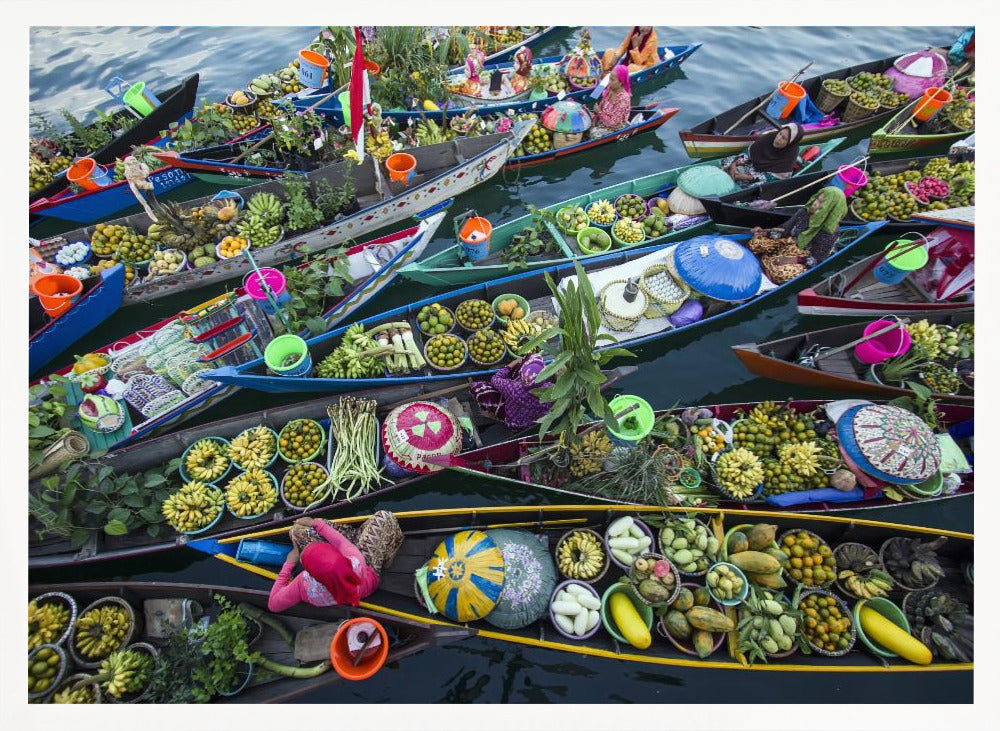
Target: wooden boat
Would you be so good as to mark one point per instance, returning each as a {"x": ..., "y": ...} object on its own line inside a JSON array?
[
  {"x": 529, "y": 285},
  {"x": 777, "y": 359},
  {"x": 450, "y": 267},
  {"x": 960, "y": 218},
  {"x": 211, "y": 164},
  {"x": 510, "y": 464},
  {"x": 424, "y": 530},
  {"x": 898, "y": 135},
  {"x": 176, "y": 102},
  {"x": 407, "y": 637},
  {"x": 443, "y": 171},
  {"x": 56, "y": 551},
  {"x": 865, "y": 295},
  {"x": 49, "y": 337},
  {"x": 235, "y": 315},
  {"x": 674, "y": 55},
  {"x": 506, "y": 54},
  {"x": 731, "y": 213},
  {"x": 710, "y": 138}
]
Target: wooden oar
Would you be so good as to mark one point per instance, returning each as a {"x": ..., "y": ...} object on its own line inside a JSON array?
[
  {"x": 921, "y": 104},
  {"x": 818, "y": 180},
  {"x": 865, "y": 338},
  {"x": 766, "y": 101}
]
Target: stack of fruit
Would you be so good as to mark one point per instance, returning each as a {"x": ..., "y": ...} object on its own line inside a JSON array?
[
  {"x": 231, "y": 246},
  {"x": 71, "y": 692},
  {"x": 588, "y": 453},
  {"x": 195, "y": 506},
  {"x": 445, "y": 352},
  {"x": 72, "y": 254},
  {"x": 576, "y": 609},
  {"x": 692, "y": 621},
  {"x": 753, "y": 551},
  {"x": 941, "y": 379},
  {"x": 101, "y": 630},
  {"x": 580, "y": 555},
  {"x": 869, "y": 83},
  {"x": 288, "y": 78},
  {"x": 768, "y": 626},
  {"x": 892, "y": 99},
  {"x": 206, "y": 460},
  {"x": 653, "y": 579},
  {"x": 240, "y": 99},
  {"x": 913, "y": 563},
  {"x": 810, "y": 560},
  {"x": 46, "y": 622},
  {"x": 379, "y": 146},
  {"x": 960, "y": 112},
  {"x": 627, "y": 540},
  {"x": 725, "y": 583},
  {"x": 738, "y": 473},
  {"x": 486, "y": 347},
  {"x": 837, "y": 87},
  {"x": 868, "y": 102},
  {"x": 707, "y": 438},
  {"x": 135, "y": 248},
  {"x": 166, "y": 262},
  {"x": 303, "y": 483},
  {"x": 251, "y": 493},
  {"x": 435, "y": 319},
  {"x": 537, "y": 141},
  {"x": 601, "y": 213},
  {"x": 300, "y": 439},
  {"x": 39, "y": 174},
  {"x": 96, "y": 269},
  {"x": 859, "y": 573},
  {"x": 628, "y": 231},
  {"x": 106, "y": 238},
  {"x": 126, "y": 672},
  {"x": 254, "y": 448},
  {"x": 927, "y": 188},
  {"x": 518, "y": 333},
  {"x": 942, "y": 623},
  {"x": 630, "y": 206},
  {"x": 572, "y": 219},
  {"x": 265, "y": 85},
  {"x": 43, "y": 668},
  {"x": 689, "y": 544},
  {"x": 510, "y": 309},
  {"x": 474, "y": 314},
  {"x": 655, "y": 225},
  {"x": 827, "y": 624}
]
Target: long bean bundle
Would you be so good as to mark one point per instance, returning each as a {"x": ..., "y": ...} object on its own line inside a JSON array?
[{"x": 354, "y": 427}]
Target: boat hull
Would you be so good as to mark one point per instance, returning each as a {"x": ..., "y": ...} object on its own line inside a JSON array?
[{"x": 883, "y": 142}]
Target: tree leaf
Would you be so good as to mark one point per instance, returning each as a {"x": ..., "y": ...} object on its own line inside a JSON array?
[
  {"x": 153, "y": 480},
  {"x": 119, "y": 515},
  {"x": 552, "y": 368},
  {"x": 115, "y": 528},
  {"x": 134, "y": 501},
  {"x": 78, "y": 537}
]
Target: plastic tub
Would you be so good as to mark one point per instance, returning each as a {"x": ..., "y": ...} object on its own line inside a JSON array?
[
  {"x": 281, "y": 349},
  {"x": 593, "y": 232},
  {"x": 344, "y": 98},
  {"x": 786, "y": 97},
  {"x": 736, "y": 599},
  {"x": 281, "y": 490},
  {"x": 311, "y": 457},
  {"x": 645, "y": 611},
  {"x": 141, "y": 99},
  {"x": 885, "y": 346},
  {"x": 521, "y": 302},
  {"x": 552, "y": 615},
  {"x": 253, "y": 516},
  {"x": 241, "y": 468},
  {"x": 254, "y": 284},
  {"x": 371, "y": 661},
  {"x": 225, "y": 444},
  {"x": 644, "y": 415},
  {"x": 312, "y": 68},
  {"x": 644, "y": 528},
  {"x": 930, "y": 103},
  {"x": 849, "y": 178},
  {"x": 57, "y": 292},
  {"x": 901, "y": 258},
  {"x": 86, "y": 173},
  {"x": 888, "y": 610},
  {"x": 402, "y": 166},
  {"x": 685, "y": 646},
  {"x": 596, "y": 537}
]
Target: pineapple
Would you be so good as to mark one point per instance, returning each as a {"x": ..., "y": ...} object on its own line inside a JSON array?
[{"x": 179, "y": 229}]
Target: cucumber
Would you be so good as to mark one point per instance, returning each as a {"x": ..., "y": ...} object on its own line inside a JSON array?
[
  {"x": 588, "y": 601},
  {"x": 620, "y": 526},
  {"x": 565, "y": 623},
  {"x": 570, "y": 609}
]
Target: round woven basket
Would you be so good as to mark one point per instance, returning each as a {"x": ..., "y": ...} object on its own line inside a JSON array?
[
  {"x": 59, "y": 597},
  {"x": 674, "y": 571},
  {"x": 613, "y": 320},
  {"x": 845, "y": 610},
  {"x": 72, "y": 680},
  {"x": 662, "y": 306},
  {"x": 827, "y": 101},
  {"x": 900, "y": 584},
  {"x": 825, "y": 584},
  {"x": 144, "y": 693},
  {"x": 876, "y": 562},
  {"x": 63, "y": 667},
  {"x": 600, "y": 541},
  {"x": 685, "y": 646},
  {"x": 133, "y": 621},
  {"x": 853, "y": 112}
]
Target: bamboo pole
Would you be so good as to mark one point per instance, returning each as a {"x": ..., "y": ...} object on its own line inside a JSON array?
[{"x": 766, "y": 101}]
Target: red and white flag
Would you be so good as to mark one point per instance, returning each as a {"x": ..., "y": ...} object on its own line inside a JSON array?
[{"x": 359, "y": 95}]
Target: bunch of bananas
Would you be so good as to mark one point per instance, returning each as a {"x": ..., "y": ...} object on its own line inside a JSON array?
[
  {"x": 739, "y": 472},
  {"x": 429, "y": 132},
  {"x": 46, "y": 622},
  {"x": 267, "y": 206},
  {"x": 39, "y": 174},
  {"x": 80, "y": 693},
  {"x": 581, "y": 556},
  {"x": 350, "y": 358},
  {"x": 253, "y": 448},
  {"x": 925, "y": 337},
  {"x": 193, "y": 507},
  {"x": 518, "y": 333},
  {"x": 126, "y": 671},
  {"x": 206, "y": 460},
  {"x": 379, "y": 147},
  {"x": 251, "y": 493},
  {"x": 802, "y": 458},
  {"x": 42, "y": 670},
  {"x": 865, "y": 586},
  {"x": 253, "y": 228},
  {"x": 101, "y": 631},
  {"x": 587, "y": 454},
  {"x": 766, "y": 413}
]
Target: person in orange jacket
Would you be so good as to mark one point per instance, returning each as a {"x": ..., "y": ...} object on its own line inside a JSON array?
[{"x": 638, "y": 51}]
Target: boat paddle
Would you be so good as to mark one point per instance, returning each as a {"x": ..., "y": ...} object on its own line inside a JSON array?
[
  {"x": 767, "y": 205},
  {"x": 865, "y": 338},
  {"x": 766, "y": 101}
]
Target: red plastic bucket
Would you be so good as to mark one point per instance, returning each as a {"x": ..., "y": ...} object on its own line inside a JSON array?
[
  {"x": 931, "y": 102},
  {"x": 372, "y": 658},
  {"x": 401, "y": 166},
  {"x": 372, "y": 67},
  {"x": 57, "y": 292},
  {"x": 312, "y": 68},
  {"x": 786, "y": 97},
  {"x": 887, "y": 345},
  {"x": 86, "y": 173},
  {"x": 849, "y": 178}
]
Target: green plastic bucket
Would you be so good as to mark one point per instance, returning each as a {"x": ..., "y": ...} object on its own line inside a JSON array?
[
  {"x": 888, "y": 610},
  {"x": 640, "y": 421},
  {"x": 277, "y": 353},
  {"x": 141, "y": 100},
  {"x": 645, "y": 611},
  {"x": 895, "y": 266},
  {"x": 344, "y": 98}
]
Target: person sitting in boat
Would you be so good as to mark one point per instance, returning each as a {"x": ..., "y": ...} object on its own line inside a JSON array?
[
  {"x": 964, "y": 48},
  {"x": 816, "y": 226},
  {"x": 612, "y": 111},
  {"x": 508, "y": 395},
  {"x": 638, "y": 51},
  {"x": 335, "y": 569},
  {"x": 521, "y": 77},
  {"x": 772, "y": 156}
]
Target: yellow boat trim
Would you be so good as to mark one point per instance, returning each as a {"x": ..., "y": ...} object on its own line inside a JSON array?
[{"x": 652, "y": 660}]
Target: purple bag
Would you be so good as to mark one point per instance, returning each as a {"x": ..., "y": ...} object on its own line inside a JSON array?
[{"x": 689, "y": 312}]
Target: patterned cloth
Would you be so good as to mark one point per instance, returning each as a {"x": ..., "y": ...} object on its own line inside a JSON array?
[
  {"x": 508, "y": 396},
  {"x": 612, "y": 111},
  {"x": 746, "y": 167}
]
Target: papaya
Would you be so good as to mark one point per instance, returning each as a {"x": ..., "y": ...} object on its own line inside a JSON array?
[
  {"x": 768, "y": 581},
  {"x": 684, "y": 600},
  {"x": 737, "y": 543},
  {"x": 701, "y": 597},
  {"x": 703, "y": 643},
  {"x": 708, "y": 619},
  {"x": 893, "y": 638},
  {"x": 761, "y": 536},
  {"x": 677, "y": 625},
  {"x": 755, "y": 562},
  {"x": 628, "y": 621}
]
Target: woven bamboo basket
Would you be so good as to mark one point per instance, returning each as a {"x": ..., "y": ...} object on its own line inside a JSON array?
[
  {"x": 827, "y": 101},
  {"x": 659, "y": 306}
]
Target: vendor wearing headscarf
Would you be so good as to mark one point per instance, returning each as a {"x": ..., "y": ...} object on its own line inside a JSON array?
[
  {"x": 523, "y": 58},
  {"x": 508, "y": 395},
  {"x": 638, "y": 51},
  {"x": 613, "y": 110},
  {"x": 772, "y": 156},
  {"x": 816, "y": 226}
]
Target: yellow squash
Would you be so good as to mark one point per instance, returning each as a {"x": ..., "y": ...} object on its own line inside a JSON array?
[
  {"x": 893, "y": 637},
  {"x": 628, "y": 621}
]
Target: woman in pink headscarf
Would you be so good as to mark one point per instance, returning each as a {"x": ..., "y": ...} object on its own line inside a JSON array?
[{"x": 613, "y": 110}]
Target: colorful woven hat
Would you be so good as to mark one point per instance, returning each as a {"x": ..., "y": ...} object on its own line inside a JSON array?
[
  {"x": 465, "y": 576},
  {"x": 566, "y": 116},
  {"x": 529, "y": 579},
  {"x": 718, "y": 267},
  {"x": 889, "y": 443},
  {"x": 417, "y": 430}
]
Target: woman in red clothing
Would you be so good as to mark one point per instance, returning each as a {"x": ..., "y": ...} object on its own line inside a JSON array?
[
  {"x": 335, "y": 569},
  {"x": 612, "y": 112}
]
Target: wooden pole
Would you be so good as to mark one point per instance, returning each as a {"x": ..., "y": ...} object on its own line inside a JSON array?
[
  {"x": 819, "y": 180},
  {"x": 765, "y": 102},
  {"x": 921, "y": 104},
  {"x": 846, "y": 346}
]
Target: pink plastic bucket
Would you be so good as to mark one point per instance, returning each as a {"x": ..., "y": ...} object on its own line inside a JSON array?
[
  {"x": 887, "y": 345},
  {"x": 275, "y": 280},
  {"x": 849, "y": 178}
]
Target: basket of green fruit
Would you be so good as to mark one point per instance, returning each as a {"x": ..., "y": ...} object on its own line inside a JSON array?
[
  {"x": 593, "y": 240},
  {"x": 888, "y": 99},
  {"x": 627, "y": 232},
  {"x": 486, "y": 347},
  {"x": 630, "y": 206},
  {"x": 859, "y": 106},
  {"x": 475, "y": 315},
  {"x": 941, "y": 379},
  {"x": 832, "y": 94},
  {"x": 655, "y": 225},
  {"x": 602, "y": 214},
  {"x": 572, "y": 219},
  {"x": 435, "y": 319},
  {"x": 446, "y": 352}
]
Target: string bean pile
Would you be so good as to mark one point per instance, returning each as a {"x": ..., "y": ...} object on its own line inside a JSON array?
[{"x": 354, "y": 427}]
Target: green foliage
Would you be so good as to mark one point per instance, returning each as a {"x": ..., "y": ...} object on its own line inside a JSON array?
[
  {"x": 920, "y": 403},
  {"x": 89, "y": 137},
  {"x": 48, "y": 417},
  {"x": 410, "y": 66},
  {"x": 43, "y": 128},
  {"x": 575, "y": 360},
  {"x": 332, "y": 201},
  {"x": 180, "y": 662},
  {"x": 223, "y": 647},
  {"x": 339, "y": 48},
  {"x": 209, "y": 126},
  {"x": 324, "y": 278},
  {"x": 533, "y": 240},
  {"x": 300, "y": 212}
]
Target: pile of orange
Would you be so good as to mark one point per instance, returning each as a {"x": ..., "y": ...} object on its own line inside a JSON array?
[{"x": 231, "y": 246}]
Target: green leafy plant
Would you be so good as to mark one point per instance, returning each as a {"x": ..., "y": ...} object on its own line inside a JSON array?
[
  {"x": 300, "y": 212},
  {"x": 921, "y": 403},
  {"x": 904, "y": 366},
  {"x": 576, "y": 362},
  {"x": 410, "y": 66},
  {"x": 336, "y": 42},
  {"x": 325, "y": 277},
  {"x": 89, "y": 137},
  {"x": 533, "y": 240},
  {"x": 332, "y": 201},
  {"x": 225, "y": 651},
  {"x": 43, "y": 128},
  {"x": 179, "y": 662},
  {"x": 48, "y": 417},
  {"x": 210, "y": 125}
]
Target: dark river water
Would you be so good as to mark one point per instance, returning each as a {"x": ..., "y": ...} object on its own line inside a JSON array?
[{"x": 69, "y": 69}]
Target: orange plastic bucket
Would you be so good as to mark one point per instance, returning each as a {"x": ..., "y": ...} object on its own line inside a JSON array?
[
  {"x": 371, "y": 662},
  {"x": 786, "y": 97},
  {"x": 933, "y": 99},
  {"x": 57, "y": 292},
  {"x": 86, "y": 173},
  {"x": 475, "y": 237},
  {"x": 372, "y": 68},
  {"x": 312, "y": 68},
  {"x": 401, "y": 166}
]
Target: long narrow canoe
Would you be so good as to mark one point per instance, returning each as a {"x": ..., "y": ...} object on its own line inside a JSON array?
[
  {"x": 506, "y": 54},
  {"x": 730, "y": 212},
  {"x": 898, "y": 135},
  {"x": 54, "y": 551},
  {"x": 176, "y": 102},
  {"x": 672, "y": 57},
  {"x": 529, "y": 285},
  {"x": 406, "y": 636},
  {"x": 710, "y": 138},
  {"x": 443, "y": 171},
  {"x": 424, "y": 530},
  {"x": 510, "y": 463},
  {"x": 777, "y": 359},
  {"x": 390, "y": 252},
  {"x": 100, "y": 300},
  {"x": 450, "y": 267}
]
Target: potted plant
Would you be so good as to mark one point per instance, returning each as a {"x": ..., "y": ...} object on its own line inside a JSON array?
[{"x": 899, "y": 369}]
